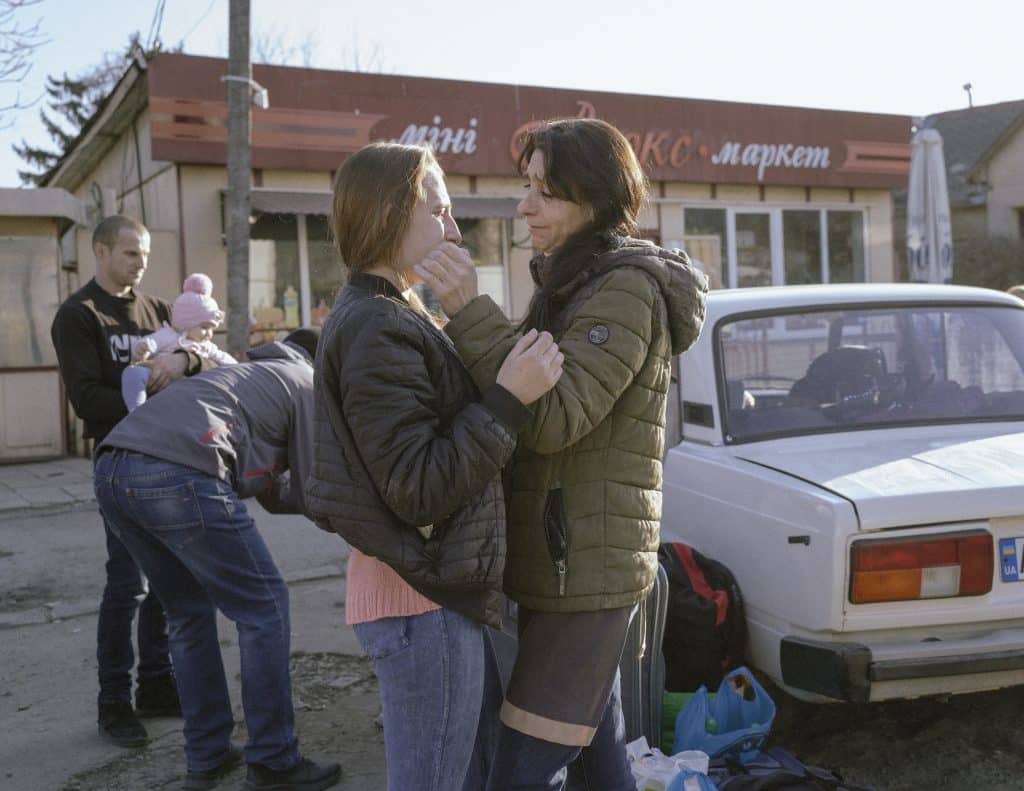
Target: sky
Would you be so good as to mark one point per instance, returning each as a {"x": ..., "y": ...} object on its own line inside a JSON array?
[{"x": 908, "y": 57}]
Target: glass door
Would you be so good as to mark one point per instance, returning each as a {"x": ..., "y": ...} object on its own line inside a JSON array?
[{"x": 751, "y": 249}]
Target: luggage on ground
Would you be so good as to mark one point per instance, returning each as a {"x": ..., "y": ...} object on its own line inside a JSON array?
[
  {"x": 705, "y": 628},
  {"x": 773, "y": 769},
  {"x": 642, "y": 667}
]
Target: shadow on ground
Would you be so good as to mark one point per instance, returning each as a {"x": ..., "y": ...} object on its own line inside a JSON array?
[{"x": 336, "y": 704}]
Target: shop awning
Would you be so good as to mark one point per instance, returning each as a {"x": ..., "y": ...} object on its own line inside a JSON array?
[
  {"x": 290, "y": 202},
  {"x": 466, "y": 207},
  {"x": 471, "y": 207}
]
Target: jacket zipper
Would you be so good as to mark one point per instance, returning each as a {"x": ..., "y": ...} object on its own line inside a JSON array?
[
  {"x": 562, "y": 568},
  {"x": 556, "y": 532}
]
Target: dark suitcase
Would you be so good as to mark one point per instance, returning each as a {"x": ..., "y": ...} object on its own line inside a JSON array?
[{"x": 642, "y": 666}]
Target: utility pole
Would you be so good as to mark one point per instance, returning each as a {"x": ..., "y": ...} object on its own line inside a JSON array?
[{"x": 239, "y": 175}]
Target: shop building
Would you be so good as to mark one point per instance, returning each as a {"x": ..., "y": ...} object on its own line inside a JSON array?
[
  {"x": 760, "y": 195},
  {"x": 33, "y": 417}
]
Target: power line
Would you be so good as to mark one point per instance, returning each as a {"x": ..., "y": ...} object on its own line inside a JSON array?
[
  {"x": 199, "y": 21},
  {"x": 154, "y": 28}
]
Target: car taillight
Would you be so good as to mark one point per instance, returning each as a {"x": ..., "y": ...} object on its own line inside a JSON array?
[{"x": 898, "y": 569}]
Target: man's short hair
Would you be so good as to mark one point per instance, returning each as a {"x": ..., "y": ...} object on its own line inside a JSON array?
[
  {"x": 110, "y": 228},
  {"x": 1017, "y": 291}
]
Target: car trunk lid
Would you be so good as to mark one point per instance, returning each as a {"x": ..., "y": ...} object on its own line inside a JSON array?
[{"x": 909, "y": 476}]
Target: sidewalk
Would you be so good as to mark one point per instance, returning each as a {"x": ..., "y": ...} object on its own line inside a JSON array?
[
  {"x": 52, "y": 571},
  {"x": 58, "y": 484},
  {"x": 62, "y": 486}
]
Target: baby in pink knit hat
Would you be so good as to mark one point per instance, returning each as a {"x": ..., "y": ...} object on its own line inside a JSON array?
[{"x": 194, "y": 317}]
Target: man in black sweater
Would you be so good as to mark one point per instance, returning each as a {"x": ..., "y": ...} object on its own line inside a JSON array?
[{"x": 94, "y": 332}]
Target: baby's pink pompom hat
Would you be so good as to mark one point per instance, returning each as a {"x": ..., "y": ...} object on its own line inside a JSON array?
[{"x": 195, "y": 305}]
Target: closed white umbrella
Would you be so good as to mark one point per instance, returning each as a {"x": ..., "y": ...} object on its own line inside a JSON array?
[{"x": 929, "y": 232}]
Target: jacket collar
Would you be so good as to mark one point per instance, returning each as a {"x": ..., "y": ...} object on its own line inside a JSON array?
[{"x": 375, "y": 285}]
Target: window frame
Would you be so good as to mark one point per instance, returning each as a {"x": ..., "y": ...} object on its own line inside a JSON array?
[{"x": 776, "y": 243}]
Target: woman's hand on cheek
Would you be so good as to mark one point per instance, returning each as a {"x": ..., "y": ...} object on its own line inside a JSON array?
[{"x": 451, "y": 274}]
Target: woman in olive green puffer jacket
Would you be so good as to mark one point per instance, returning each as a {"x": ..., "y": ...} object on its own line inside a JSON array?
[{"x": 584, "y": 505}]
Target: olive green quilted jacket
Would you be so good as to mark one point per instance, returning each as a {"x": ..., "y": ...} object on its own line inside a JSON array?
[{"x": 584, "y": 505}]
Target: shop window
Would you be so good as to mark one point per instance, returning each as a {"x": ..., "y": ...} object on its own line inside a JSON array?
[
  {"x": 801, "y": 235},
  {"x": 274, "y": 282},
  {"x": 704, "y": 231},
  {"x": 326, "y": 274},
  {"x": 753, "y": 250},
  {"x": 846, "y": 247},
  {"x": 28, "y": 300},
  {"x": 484, "y": 239}
]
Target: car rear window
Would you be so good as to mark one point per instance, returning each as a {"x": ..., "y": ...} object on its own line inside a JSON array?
[{"x": 826, "y": 370}]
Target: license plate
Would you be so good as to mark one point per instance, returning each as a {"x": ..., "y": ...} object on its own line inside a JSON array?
[{"x": 1011, "y": 559}]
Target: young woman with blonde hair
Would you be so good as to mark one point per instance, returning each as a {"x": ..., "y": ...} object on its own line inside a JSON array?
[{"x": 407, "y": 463}]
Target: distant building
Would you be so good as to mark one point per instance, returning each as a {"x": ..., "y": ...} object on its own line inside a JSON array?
[
  {"x": 984, "y": 153},
  {"x": 761, "y": 195},
  {"x": 33, "y": 417}
]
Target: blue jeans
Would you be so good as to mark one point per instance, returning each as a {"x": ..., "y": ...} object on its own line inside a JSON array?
[
  {"x": 201, "y": 551},
  {"x": 133, "y": 385},
  {"x": 526, "y": 763},
  {"x": 115, "y": 656},
  {"x": 431, "y": 673}
]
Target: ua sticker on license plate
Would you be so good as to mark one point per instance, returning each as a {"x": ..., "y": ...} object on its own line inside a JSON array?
[{"x": 1011, "y": 559}]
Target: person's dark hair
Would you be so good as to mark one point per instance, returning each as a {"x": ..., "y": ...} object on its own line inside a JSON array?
[
  {"x": 110, "y": 228},
  {"x": 305, "y": 337},
  {"x": 588, "y": 162}
]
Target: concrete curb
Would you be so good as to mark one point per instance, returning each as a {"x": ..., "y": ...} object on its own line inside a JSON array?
[
  {"x": 27, "y": 511},
  {"x": 55, "y": 612}
]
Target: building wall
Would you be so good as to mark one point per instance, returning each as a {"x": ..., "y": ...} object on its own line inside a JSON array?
[
  {"x": 193, "y": 240},
  {"x": 115, "y": 186},
  {"x": 969, "y": 223},
  {"x": 882, "y": 264},
  {"x": 31, "y": 424},
  {"x": 1005, "y": 177},
  {"x": 202, "y": 227}
]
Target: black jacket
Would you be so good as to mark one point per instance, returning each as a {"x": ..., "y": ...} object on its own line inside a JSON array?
[
  {"x": 93, "y": 333},
  {"x": 407, "y": 455}
]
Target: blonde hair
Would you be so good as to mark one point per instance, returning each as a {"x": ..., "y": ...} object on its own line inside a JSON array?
[{"x": 375, "y": 192}]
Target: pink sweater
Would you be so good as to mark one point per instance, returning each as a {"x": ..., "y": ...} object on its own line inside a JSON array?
[{"x": 375, "y": 591}]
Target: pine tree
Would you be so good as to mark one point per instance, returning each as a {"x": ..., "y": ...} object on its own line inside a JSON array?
[{"x": 71, "y": 103}]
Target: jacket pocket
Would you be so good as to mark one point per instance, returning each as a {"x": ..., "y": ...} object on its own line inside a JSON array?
[{"x": 556, "y": 533}]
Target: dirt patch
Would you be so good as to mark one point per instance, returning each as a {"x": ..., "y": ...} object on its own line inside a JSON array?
[
  {"x": 336, "y": 701},
  {"x": 25, "y": 597},
  {"x": 958, "y": 742}
]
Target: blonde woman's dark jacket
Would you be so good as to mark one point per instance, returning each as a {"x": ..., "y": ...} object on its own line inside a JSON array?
[
  {"x": 407, "y": 455},
  {"x": 585, "y": 501}
]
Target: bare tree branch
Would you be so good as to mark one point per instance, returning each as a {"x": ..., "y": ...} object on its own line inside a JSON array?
[
  {"x": 281, "y": 47},
  {"x": 18, "y": 41}
]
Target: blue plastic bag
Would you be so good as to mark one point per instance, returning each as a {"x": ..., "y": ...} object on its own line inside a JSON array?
[
  {"x": 688, "y": 780},
  {"x": 734, "y": 724}
]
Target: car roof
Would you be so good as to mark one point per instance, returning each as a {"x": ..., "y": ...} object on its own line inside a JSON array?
[{"x": 723, "y": 302}]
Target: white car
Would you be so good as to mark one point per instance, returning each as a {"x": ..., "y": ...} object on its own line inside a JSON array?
[{"x": 855, "y": 455}]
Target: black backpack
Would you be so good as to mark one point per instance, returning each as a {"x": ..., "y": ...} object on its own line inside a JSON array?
[
  {"x": 705, "y": 629},
  {"x": 776, "y": 769}
]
